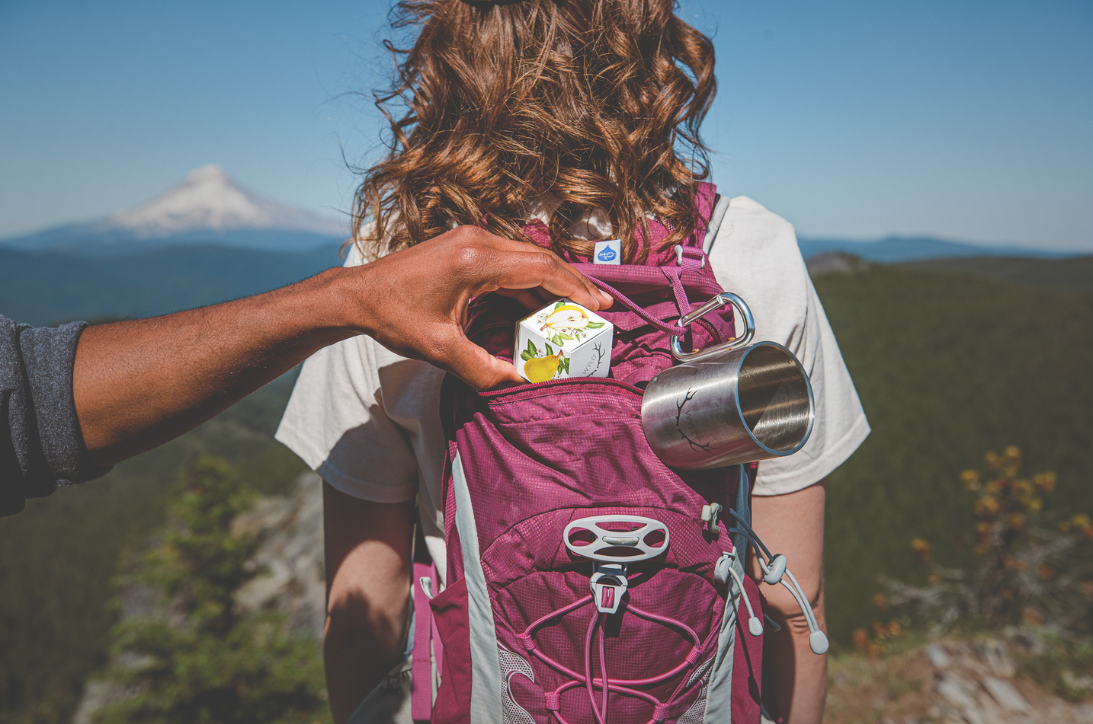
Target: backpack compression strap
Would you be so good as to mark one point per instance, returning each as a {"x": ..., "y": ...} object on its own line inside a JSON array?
[{"x": 425, "y": 632}]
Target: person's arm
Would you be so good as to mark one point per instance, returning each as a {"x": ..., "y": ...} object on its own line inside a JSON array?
[
  {"x": 794, "y": 678},
  {"x": 368, "y": 582},
  {"x": 138, "y": 384}
]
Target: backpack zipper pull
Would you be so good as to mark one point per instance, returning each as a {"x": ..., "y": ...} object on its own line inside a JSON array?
[{"x": 709, "y": 515}]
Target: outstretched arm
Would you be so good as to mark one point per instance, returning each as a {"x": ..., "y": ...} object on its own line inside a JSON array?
[{"x": 138, "y": 384}]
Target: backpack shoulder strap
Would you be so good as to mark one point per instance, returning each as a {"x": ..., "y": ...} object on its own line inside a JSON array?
[
  {"x": 721, "y": 205},
  {"x": 691, "y": 254},
  {"x": 705, "y": 199},
  {"x": 427, "y": 645}
]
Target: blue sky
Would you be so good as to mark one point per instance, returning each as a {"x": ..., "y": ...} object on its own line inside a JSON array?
[{"x": 968, "y": 120}]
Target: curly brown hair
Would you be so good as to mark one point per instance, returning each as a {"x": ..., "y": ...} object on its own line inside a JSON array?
[{"x": 590, "y": 103}]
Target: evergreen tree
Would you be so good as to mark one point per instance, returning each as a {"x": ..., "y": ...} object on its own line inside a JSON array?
[{"x": 202, "y": 661}]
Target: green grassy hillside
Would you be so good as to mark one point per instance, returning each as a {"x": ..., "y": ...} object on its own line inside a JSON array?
[
  {"x": 948, "y": 366},
  {"x": 1068, "y": 275},
  {"x": 58, "y": 558}
]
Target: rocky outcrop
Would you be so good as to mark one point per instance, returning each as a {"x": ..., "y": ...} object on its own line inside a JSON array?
[
  {"x": 291, "y": 530},
  {"x": 291, "y": 555},
  {"x": 835, "y": 263},
  {"x": 948, "y": 682}
]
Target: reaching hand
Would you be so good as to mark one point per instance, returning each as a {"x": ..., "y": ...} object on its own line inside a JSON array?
[
  {"x": 140, "y": 383},
  {"x": 414, "y": 302}
]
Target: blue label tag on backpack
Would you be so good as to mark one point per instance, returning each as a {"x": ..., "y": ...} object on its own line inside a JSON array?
[{"x": 608, "y": 252}]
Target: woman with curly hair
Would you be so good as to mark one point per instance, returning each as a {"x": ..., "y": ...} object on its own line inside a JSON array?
[{"x": 583, "y": 115}]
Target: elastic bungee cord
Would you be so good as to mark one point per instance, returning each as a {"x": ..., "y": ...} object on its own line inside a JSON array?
[
  {"x": 603, "y": 682},
  {"x": 775, "y": 571}
]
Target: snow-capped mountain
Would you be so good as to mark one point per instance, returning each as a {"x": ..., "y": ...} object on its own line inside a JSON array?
[
  {"x": 208, "y": 207},
  {"x": 208, "y": 199}
]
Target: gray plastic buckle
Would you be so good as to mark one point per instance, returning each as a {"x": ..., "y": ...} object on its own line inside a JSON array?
[{"x": 608, "y": 584}]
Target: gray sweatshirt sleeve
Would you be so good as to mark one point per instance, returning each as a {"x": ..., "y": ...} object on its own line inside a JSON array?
[{"x": 41, "y": 445}]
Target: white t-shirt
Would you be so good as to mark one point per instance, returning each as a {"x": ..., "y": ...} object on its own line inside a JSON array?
[{"x": 367, "y": 420}]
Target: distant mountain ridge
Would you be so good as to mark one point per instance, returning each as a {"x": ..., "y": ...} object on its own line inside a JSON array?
[
  {"x": 208, "y": 207},
  {"x": 897, "y": 249}
]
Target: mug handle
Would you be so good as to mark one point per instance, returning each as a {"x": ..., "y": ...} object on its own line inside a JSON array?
[{"x": 742, "y": 312}]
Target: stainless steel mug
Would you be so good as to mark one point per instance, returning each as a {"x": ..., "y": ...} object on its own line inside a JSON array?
[{"x": 730, "y": 404}]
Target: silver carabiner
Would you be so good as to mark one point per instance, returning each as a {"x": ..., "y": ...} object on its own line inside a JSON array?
[{"x": 742, "y": 312}]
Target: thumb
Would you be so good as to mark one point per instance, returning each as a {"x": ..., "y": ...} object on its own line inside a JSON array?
[{"x": 477, "y": 367}]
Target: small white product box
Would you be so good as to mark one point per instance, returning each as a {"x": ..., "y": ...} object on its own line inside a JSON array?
[{"x": 563, "y": 339}]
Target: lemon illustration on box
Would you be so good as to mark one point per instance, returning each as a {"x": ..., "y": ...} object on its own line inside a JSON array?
[{"x": 563, "y": 339}]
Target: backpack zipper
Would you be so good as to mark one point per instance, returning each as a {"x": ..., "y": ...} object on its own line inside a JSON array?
[{"x": 560, "y": 383}]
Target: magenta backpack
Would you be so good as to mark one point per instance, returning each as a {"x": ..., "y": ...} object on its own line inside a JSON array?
[{"x": 587, "y": 582}]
